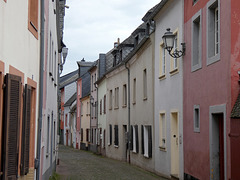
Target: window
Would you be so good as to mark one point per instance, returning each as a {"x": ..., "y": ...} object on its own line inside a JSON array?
[
  {"x": 110, "y": 135},
  {"x": 136, "y": 40},
  {"x": 196, "y": 117},
  {"x": 87, "y": 135},
  {"x": 134, "y": 90},
  {"x": 213, "y": 34},
  {"x": 195, "y": 1},
  {"x": 54, "y": 136},
  {"x": 120, "y": 55},
  {"x": 124, "y": 95},
  {"x": 116, "y": 135},
  {"x": 162, "y": 130},
  {"x": 55, "y": 68},
  {"x": 48, "y": 135},
  {"x": 145, "y": 84},
  {"x": 162, "y": 63},
  {"x": 196, "y": 41},
  {"x": 95, "y": 106},
  {"x": 95, "y": 79},
  {"x": 88, "y": 104},
  {"x": 174, "y": 61},
  {"x": 92, "y": 84},
  {"x": 147, "y": 141},
  {"x": 66, "y": 120},
  {"x": 116, "y": 102},
  {"x": 100, "y": 106},
  {"x": 50, "y": 55},
  {"x": 104, "y": 104},
  {"x": 33, "y": 17},
  {"x": 79, "y": 90},
  {"x": 81, "y": 109},
  {"x": 134, "y": 139},
  {"x": 81, "y": 134},
  {"x": 110, "y": 99}
]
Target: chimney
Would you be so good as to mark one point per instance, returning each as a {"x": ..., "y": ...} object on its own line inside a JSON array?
[
  {"x": 83, "y": 60},
  {"x": 117, "y": 43}
]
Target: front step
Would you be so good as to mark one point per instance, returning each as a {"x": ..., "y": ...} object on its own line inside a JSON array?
[{"x": 174, "y": 177}]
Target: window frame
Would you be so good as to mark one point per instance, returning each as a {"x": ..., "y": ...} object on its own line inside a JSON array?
[
  {"x": 134, "y": 90},
  {"x": 195, "y": 119},
  {"x": 211, "y": 56},
  {"x": 174, "y": 62},
  {"x": 195, "y": 18},
  {"x": 110, "y": 99},
  {"x": 124, "y": 96},
  {"x": 145, "y": 93},
  {"x": 162, "y": 133},
  {"x": 162, "y": 61}
]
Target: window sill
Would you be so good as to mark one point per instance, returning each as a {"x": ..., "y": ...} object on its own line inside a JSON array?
[
  {"x": 109, "y": 144},
  {"x": 146, "y": 156},
  {"x": 145, "y": 98},
  {"x": 116, "y": 146},
  {"x": 134, "y": 103},
  {"x": 116, "y": 108},
  {"x": 162, "y": 77},
  {"x": 47, "y": 154},
  {"x": 124, "y": 106},
  {"x": 174, "y": 71},
  {"x": 110, "y": 109}
]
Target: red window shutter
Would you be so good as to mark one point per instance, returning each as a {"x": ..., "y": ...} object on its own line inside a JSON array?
[
  {"x": 26, "y": 130},
  {"x": 11, "y": 118}
]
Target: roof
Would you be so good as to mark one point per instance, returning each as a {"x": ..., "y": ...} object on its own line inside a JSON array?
[
  {"x": 94, "y": 65},
  {"x": 68, "y": 78},
  {"x": 153, "y": 11},
  {"x": 71, "y": 100},
  {"x": 236, "y": 109}
]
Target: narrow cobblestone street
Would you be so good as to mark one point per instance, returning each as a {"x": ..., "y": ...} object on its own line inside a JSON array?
[{"x": 77, "y": 164}]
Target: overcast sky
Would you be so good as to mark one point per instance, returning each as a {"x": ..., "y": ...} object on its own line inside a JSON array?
[{"x": 92, "y": 26}]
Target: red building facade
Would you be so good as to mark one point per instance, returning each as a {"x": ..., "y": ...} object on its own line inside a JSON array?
[{"x": 211, "y": 66}]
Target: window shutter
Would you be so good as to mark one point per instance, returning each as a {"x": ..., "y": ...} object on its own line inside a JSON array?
[
  {"x": 34, "y": 14},
  {"x": 142, "y": 133},
  {"x": 131, "y": 142},
  {"x": 149, "y": 141},
  {"x": 81, "y": 134},
  {"x": 26, "y": 130},
  {"x": 136, "y": 135},
  {"x": 11, "y": 117},
  {"x": 116, "y": 135},
  {"x": 87, "y": 135},
  {"x": 110, "y": 134}
]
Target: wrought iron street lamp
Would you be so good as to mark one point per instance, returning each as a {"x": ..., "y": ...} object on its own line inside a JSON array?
[{"x": 168, "y": 40}]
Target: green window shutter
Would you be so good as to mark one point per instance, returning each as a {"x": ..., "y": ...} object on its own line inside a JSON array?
[
  {"x": 26, "y": 130},
  {"x": 11, "y": 118}
]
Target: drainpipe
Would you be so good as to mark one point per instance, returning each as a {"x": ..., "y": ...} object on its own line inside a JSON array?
[
  {"x": 129, "y": 131},
  {"x": 37, "y": 160},
  {"x": 97, "y": 117}
]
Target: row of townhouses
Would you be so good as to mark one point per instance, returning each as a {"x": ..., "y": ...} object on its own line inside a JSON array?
[
  {"x": 174, "y": 111},
  {"x": 31, "y": 48}
]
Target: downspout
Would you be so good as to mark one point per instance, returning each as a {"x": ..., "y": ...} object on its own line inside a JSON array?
[
  {"x": 97, "y": 117},
  {"x": 37, "y": 160},
  {"x": 129, "y": 132}
]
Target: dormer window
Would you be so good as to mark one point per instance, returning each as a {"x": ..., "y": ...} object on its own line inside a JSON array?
[
  {"x": 147, "y": 29},
  {"x": 136, "y": 41},
  {"x": 115, "y": 60},
  {"x": 120, "y": 55}
]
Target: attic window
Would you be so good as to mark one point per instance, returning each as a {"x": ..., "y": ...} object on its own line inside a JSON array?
[
  {"x": 136, "y": 41},
  {"x": 147, "y": 29}
]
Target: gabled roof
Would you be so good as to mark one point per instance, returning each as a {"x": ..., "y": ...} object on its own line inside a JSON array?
[
  {"x": 236, "y": 109},
  {"x": 71, "y": 100},
  {"x": 153, "y": 11},
  {"x": 68, "y": 78}
]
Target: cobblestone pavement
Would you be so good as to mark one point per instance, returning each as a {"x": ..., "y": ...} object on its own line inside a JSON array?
[{"x": 76, "y": 164}]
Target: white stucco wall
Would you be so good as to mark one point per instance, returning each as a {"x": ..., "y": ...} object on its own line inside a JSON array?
[{"x": 169, "y": 90}]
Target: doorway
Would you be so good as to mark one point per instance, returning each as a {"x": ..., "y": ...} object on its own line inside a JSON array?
[
  {"x": 174, "y": 145},
  {"x": 217, "y": 147}
]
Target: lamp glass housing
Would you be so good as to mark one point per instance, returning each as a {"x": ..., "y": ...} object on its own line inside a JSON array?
[{"x": 168, "y": 40}]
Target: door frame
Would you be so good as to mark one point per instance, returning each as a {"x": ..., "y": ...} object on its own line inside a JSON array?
[{"x": 218, "y": 109}]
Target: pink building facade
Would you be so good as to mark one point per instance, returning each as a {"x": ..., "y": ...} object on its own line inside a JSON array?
[{"x": 211, "y": 66}]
